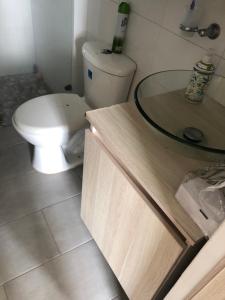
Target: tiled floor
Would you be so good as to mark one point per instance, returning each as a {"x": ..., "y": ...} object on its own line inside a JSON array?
[{"x": 46, "y": 252}]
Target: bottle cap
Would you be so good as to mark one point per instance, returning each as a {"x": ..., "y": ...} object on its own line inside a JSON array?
[
  {"x": 208, "y": 57},
  {"x": 205, "y": 65}
]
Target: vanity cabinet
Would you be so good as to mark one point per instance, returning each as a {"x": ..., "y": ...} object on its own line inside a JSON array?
[
  {"x": 140, "y": 248},
  {"x": 129, "y": 207}
]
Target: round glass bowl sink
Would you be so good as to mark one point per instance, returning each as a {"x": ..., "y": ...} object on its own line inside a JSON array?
[{"x": 196, "y": 130}]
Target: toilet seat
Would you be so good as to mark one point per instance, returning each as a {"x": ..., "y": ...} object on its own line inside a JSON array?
[{"x": 51, "y": 114}]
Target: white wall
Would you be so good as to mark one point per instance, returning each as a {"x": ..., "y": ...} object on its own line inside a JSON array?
[
  {"x": 53, "y": 34},
  {"x": 16, "y": 37},
  {"x": 80, "y": 36},
  {"x": 154, "y": 40}
]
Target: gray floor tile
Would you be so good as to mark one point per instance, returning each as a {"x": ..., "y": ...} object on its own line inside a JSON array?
[
  {"x": 66, "y": 225},
  {"x": 2, "y": 293},
  {"x": 9, "y": 137},
  {"x": 122, "y": 296},
  {"x": 81, "y": 274},
  {"x": 25, "y": 244},
  {"x": 79, "y": 171},
  {"x": 33, "y": 191},
  {"x": 14, "y": 161}
]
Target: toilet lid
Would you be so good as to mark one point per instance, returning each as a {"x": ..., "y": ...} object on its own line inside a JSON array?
[{"x": 52, "y": 112}]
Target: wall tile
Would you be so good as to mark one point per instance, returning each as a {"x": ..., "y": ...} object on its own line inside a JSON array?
[
  {"x": 2, "y": 294},
  {"x": 142, "y": 34},
  {"x": 154, "y": 40},
  {"x": 217, "y": 86},
  {"x": 173, "y": 52},
  {"x": 102, "y": 16},
  {"x": 221, "y": 68},
  {"x": 150, "y": 9},
  {"x": 141, "y": 47},
  {"x": 213, "y": 11}
]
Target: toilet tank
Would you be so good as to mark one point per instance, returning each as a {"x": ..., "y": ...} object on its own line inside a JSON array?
[{"x": 107, "y": 76}]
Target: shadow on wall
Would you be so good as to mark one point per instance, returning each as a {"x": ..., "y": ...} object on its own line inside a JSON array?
[
  {"x": 17, "y": 41},
  {"x": 78, "y": 72}
]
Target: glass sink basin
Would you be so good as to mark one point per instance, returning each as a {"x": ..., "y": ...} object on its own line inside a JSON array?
[{"x": 196, "y": 130}]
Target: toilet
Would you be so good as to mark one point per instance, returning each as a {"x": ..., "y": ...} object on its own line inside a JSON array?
[{"x": 49, "y": 122}]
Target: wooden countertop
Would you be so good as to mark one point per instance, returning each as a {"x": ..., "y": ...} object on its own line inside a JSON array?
[{"x": 155, "y": 169}]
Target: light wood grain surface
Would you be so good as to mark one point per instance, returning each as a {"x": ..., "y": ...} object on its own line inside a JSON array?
[
  {"x": 152, "y": 167},
  {"x": 209, "y": 261},
  {"x": 138, "y": 246},
  {"x": 214, "y": 290}
]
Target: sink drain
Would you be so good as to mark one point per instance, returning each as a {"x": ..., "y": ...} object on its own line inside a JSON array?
[{"x": 193, "y": 134}]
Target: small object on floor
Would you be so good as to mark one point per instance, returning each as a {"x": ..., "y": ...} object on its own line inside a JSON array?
[
  {"x": 1, "y": 120},
  {"x": 202, "y": 195},
  {"x": 68, "y": 88}
]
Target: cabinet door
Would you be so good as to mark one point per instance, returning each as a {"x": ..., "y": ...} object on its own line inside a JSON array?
[
  {"x": 215, "y": 289},
  {"x": 140, "y": 248}
]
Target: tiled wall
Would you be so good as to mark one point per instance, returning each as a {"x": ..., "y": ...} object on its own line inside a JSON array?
[{"x": 154, "y": 40}]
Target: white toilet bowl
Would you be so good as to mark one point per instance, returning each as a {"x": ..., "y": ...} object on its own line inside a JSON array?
[{"x": 48, "y": 122}]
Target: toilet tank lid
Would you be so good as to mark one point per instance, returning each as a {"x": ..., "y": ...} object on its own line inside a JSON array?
[{"x": 115, "y": 64}]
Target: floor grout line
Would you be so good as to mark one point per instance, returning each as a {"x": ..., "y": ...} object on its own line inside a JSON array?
[
  {"x": 50, "y": 231},
  {"x": 11, "y": 177},
  {"x": 31, "y": 269},
  {"x": 51, "y": 260},
  {"x": 4, "y": 289},
  {"x": 11, "y": 146},
  {"x": 117, "y": 297},
  {"x": 39, "y": 210},
  {"x": 77, "y": 246},
  {"x": 44, "y": 263}
]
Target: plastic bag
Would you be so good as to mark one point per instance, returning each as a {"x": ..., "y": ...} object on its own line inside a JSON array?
[
  {"x": 212, "y": 198},
  {"x": 202, "y": 195},
  {"x": 75, "y": 148}
]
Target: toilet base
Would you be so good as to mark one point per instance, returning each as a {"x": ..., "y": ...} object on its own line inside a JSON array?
[{"x": 52, "y": 160}]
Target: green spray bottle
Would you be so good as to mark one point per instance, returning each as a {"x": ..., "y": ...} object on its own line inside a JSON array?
[{"x": 122, "y": 21}]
